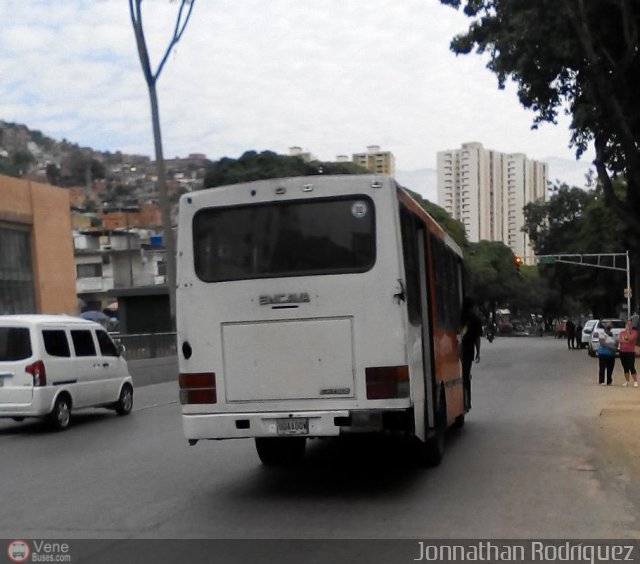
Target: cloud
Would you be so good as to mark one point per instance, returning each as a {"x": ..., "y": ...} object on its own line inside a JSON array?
[{"x": 332, "y": 76}]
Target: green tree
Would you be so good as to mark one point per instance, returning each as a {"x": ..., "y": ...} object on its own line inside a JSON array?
[
  {"x": 453, "y": 227},
  {"x": 492, "y": 277},
  {"x": 267, "y": 164},
  {"x": 574, "y": 221},
  {"x": 583, "y": 55},
  {"x": 54, "y": 175},
  {"x": 16, "y": 164}
]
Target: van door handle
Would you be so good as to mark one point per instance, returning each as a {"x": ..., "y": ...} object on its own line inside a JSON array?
[{"x": 105, "y": 365}]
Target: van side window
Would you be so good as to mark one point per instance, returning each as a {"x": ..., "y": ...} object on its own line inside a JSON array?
[
  {"x": 55, "y": 342},
  {"x": 107, "y": 348},
  {"x": 83, "y": 343}
]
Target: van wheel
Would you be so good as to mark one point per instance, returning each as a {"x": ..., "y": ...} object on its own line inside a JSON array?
[
  {"x": 60, "y": 416},
  {"x": 124, "y": 404},
  {"x": 280, "y": 451}
]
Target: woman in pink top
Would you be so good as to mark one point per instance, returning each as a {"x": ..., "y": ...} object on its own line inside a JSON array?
[{"x": 628, "y": 339}]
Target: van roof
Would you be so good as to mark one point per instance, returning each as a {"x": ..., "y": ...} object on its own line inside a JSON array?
[{"x": 36, "y": 318}]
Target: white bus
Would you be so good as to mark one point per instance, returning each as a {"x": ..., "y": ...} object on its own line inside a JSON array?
[{"x": 314, "y": 306}]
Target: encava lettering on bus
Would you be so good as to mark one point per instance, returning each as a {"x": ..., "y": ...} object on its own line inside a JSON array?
[{"x": 302, "y": 298}]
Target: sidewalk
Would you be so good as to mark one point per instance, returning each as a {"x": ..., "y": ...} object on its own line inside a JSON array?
[{"x": 615, "y": 436}]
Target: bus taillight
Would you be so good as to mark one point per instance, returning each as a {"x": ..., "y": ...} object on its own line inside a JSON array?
[
  {"x": 387, "y": 382},
  {"x": 198, "y": 388}
]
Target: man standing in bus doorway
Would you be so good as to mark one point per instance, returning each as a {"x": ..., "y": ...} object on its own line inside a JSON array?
[{"x": 470, "y": 349}]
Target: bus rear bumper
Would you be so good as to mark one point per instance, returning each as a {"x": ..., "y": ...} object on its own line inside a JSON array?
[{"x": 272, "y": 424}]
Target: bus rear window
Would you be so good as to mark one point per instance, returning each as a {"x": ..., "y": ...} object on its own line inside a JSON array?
[
  {"x": 295, "y": 238},
  {"x": 15, "y": 344}
]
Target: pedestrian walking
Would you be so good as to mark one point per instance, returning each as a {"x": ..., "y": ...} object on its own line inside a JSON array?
[
  {"x": 579, "y": 336},
  {"x": 469, "y": 345},
  {"x": 628, "y": 339},
  {"x": 571, "y": 334},
  {"x": 607, "y": 355}
]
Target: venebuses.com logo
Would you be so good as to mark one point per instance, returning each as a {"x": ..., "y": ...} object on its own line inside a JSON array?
[
  {"x": 38, "y": 551},
  {"x": 18, "y": 551}
]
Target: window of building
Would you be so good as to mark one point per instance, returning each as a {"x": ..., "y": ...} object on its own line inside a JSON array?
[
  {"x": 17, "y": 290},
  {"x": 89, "y": 270}
]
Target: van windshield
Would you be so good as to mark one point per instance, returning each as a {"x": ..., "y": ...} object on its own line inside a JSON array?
[
  {"x": 294, "y": 238},
  {"x": 15, "y": 344}
]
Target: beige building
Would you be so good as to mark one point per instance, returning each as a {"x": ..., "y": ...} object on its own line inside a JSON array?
[
  {"x": 306, "y": 156},
  {"x": 377, "y": 161},
  {"x": 486, "y": 190},
  {"x": 37, "y": 270}
]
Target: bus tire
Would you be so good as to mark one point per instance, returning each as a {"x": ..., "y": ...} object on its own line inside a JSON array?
[
  {"x": 459, "y": 422},
  {"x": 280, "y": 451},
  {"x": 431, "y": 452},
  {"x": 434, "y": 449}
]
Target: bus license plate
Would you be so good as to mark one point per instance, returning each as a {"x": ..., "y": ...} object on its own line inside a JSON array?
[{"x": 291, "y": 426}]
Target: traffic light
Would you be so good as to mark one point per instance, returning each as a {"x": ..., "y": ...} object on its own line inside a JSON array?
[{"x": 517, "y": 260}]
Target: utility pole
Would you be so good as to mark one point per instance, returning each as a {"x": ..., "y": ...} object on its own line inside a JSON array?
[{"x": 151, "y": 78}]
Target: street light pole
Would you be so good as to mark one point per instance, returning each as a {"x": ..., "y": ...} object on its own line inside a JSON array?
[{"x": 578, "y": 260}]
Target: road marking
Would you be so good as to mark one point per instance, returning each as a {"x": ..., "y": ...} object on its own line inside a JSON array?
[{"x": 155, "y": 405}]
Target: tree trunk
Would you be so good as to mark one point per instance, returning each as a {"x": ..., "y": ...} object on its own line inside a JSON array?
[{"x": 165, "y": 208}]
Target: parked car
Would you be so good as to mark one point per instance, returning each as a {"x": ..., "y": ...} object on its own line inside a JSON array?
[
  {"x": 585, "y": 336},
  {"x": 51, "y": 365},
  {"x": 598, "y": 329}
]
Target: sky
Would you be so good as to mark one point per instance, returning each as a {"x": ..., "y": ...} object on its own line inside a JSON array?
[{"x": 330, "y": 76}]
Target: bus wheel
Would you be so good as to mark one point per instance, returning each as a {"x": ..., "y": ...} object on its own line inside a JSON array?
[
  {"x": 434, "y": 449},
  {"x": 280, "y": 451},
  {"x": 431, "y": 451},
  {"x": 459, "y": 422}
]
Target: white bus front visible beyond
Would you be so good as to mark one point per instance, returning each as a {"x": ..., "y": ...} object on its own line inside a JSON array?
[{"x": 293, "y": 316}]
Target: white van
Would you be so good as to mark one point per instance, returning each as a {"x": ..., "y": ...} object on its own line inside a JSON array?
[{"x": 51, "y": 364}]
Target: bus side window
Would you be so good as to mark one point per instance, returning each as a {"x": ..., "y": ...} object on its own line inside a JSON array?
[
  {"x": 447, "y": 274},
  {"x": 408, "y": 226}
]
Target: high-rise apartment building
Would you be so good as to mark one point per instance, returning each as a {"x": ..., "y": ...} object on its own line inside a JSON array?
[
  {"x": 377, "y": 161},
  {"x": 486, "y": 191}
]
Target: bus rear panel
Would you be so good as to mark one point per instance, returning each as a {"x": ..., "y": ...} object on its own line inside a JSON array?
[{"x": 294, "y": 313}]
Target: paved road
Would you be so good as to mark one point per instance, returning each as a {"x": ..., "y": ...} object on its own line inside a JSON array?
[{"x": 524, "y": 466}]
